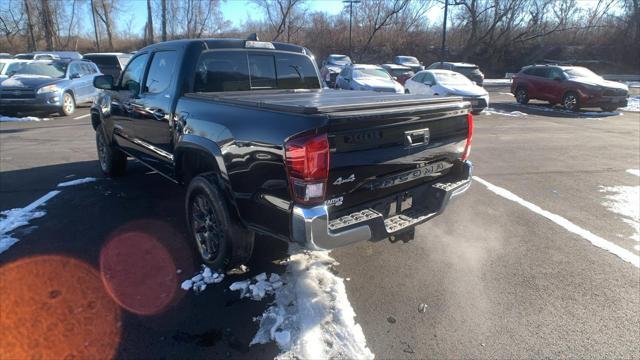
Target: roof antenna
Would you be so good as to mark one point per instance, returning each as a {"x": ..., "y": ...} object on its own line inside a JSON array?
[{"x": 253, "y": 37}]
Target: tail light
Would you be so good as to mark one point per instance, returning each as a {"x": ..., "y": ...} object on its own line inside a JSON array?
[
  {"x": 467, "y": 146},
  {"x": 307, "y": 161}
]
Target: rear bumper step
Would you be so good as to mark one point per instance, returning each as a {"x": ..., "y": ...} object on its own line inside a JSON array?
[{"x": 312, "y": 227}]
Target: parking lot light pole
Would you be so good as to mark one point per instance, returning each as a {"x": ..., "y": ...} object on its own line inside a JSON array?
[
  {"x": 350, "y": 2},
  {"x": 444, "y": 31}
]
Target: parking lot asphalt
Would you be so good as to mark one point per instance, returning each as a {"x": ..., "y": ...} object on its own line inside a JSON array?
[{"x": 489, "y": 278}]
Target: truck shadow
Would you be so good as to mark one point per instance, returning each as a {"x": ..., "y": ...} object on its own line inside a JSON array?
[{"x": 84, "y": 220}]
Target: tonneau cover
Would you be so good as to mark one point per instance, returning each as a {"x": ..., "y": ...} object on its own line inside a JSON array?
[{"x": 321, "y": 101}]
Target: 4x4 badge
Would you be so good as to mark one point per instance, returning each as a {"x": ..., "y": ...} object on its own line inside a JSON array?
[{"x": 340, "y": 180}]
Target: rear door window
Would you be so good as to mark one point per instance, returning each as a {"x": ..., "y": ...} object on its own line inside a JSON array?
[
  {"x": 161, "y": 72},
  {"x": 419, "y": 78}
]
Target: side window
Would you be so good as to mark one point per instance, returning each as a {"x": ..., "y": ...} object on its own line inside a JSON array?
[
  {"x": 74, "y": 68},
  {"x": 419, "y": 78},
  {"x": 262, "y": 71},
  {"x": 160, "y": 72},
  {"x": 555, "y": 72},
  {"x": 540, "y": 72},
  {"x": 222, "y": 71},
  {"x": 132, "y": 76},
  {"x": 428, "y": 78}
]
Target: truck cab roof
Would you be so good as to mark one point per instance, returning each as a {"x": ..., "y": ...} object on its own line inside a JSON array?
[{"x": 215, "y": 43}]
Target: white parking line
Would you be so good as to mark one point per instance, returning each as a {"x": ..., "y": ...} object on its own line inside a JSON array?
[
  {"x": 81, "y": 116},
  {"x": 594, "y": 239}
]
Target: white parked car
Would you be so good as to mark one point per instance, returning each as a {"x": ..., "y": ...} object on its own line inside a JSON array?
[
  {"x": 448, "y": 83},
  {"x": 367, "y": 77},
  {"x": 7, "y": 66}
]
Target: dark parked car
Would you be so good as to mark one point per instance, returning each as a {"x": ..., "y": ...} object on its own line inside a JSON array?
[
  {"x": 471, "y": 71},
  {"x": 367, "y": 77},
  {"x": 572, "y": 86},
  {"x": 398, "y": 72},
  {"x": 48, "y": 86},
  {"x": 410, "y": 62},
  {"x": 332, "y": 66},
  {"x": 109, "y": 63},
  {"x": 264, "y": 149}
]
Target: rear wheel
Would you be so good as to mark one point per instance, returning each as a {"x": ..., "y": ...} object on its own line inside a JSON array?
[
  {"x": 113, "y": 162},
  {"x": 68, "y": 104},
  {"x": 406, "y": 91},
  {"x": 609, "y": 108},
  {"x": 570, "y": 101},
  {"x": 220, "y": 239},
  {"x": 522, "y": 96}
]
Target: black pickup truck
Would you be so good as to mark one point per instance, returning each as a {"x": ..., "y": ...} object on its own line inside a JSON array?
[{"x": 264, "y": 149}]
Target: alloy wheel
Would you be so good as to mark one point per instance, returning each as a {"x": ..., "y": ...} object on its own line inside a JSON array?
[{"x": 206, "y": 227}]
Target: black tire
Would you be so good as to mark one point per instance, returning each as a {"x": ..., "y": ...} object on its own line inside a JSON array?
[
  {"x": 609, "y": 108},
  {"x": 218, "y": 236},
  {"x": 522, "y": 95},
  {"x": 570, "y": 101},
  {"x": 112, "y": 161},
  {"x": 68, "y": 104},
  {"x": 406, "y": 91}
]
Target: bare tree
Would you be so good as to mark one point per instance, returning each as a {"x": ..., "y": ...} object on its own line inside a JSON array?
[
  {"x": 47, "y": 24},
  {"x": 104, "y": 11},
  {"x": 164, "y": 19},
  {"x": 378, "y": 14},
  {"x": 11, "y": 22},
  {"x": 280, "y": 15},
  {"x": 95, "y": 25},
  {"x": 149, "y": 26}
]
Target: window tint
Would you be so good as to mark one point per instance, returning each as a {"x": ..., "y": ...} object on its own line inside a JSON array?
[
  {"x": 222, "y": 71},
  {"x": 540, "y": 72},
  {"x": 554, "y": 73},
  {"x": 160, "y": 72},
  {"x": 262, "y": 71},
  {"x": 236, "y": 70},
  {"x": 75, "y": 69},
  {"x": 295, "y": 72},
  {"x": 428, "y": 77},
  {"x": 103, "y": 60},
  {"x": 132, "y": 76},
  {"x": 418, "y": 78}
]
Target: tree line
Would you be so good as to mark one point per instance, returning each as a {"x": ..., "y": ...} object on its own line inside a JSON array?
[{"x": 499, "y": 35}]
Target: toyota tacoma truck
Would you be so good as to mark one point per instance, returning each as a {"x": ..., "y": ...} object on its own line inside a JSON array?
[{"x": 262, "y": 148}]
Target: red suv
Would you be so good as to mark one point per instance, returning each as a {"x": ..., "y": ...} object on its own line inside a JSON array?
[{"x": 572, "y": 86}]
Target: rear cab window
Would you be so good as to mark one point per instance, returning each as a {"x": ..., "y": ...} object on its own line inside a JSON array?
[{"x": 241, "y": 70}]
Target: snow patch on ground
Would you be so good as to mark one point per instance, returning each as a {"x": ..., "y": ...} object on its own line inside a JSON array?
[
  {"x": 496, "y": 82},
  {"x": 22, "y": 119},
  {"x": 492, "y": 111},
  {"x": 199, "y": 281},
  {"x": 14, "y": 218},
  {"x": 635, "y": 172},
  {"x": 594, "y": 239},
  {"x": 582, "y": 114},
  {"x": 77, "y": 182},
  {"x": 633, "y": 104},
  {"x": 508, "y": 94},
  {"x": 625, "y": 201},
  {"x": 258, "y": 287},
  {"x": 311, "y": 317}
]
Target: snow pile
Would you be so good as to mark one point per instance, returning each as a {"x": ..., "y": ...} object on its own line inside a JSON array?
[
  {"x": 565, "y": 111},
  {"x": 311, "y": 317},
  {"x": 494, "y": 82},
  {"x": 200, "y": 281},
  {"x": 77, "y": 182},
  {"x": 508, "y": 94},
  {"x": 14, "y": 218},
  {"x": 492, "y": 111},
  {"x": 633, "y": 104},
  {"x": 635, "y": 172},
  {"x": 625, "y": 201},
  {"x": 259, "y": 287},
  {"x": 22, "y": 119}
]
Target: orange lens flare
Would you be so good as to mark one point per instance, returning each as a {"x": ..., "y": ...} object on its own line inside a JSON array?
[{"x": 55, "y": 307}]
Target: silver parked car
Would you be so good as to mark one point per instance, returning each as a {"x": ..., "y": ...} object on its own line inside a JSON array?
[
  {"x": 367, "y": 77},
  {"x": 48, "y": 86}
]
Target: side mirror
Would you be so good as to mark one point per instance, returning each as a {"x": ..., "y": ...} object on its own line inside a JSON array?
[
  {"x": 395, "y": 78},
  {"x": 75, "y": 76},
  {"x": 104, "y": 82}
]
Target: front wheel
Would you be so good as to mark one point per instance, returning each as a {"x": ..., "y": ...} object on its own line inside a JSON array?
[
  {"x": 522, "y": 96},
  {"x": 113, "y": 162},
  {"x": 68, "y": 104},
  {"x": 570, "y": 101},
  {"x": 220, "y": 239}
]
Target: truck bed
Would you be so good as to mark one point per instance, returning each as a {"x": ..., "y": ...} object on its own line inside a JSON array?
[{"x": 326, "y": 101}]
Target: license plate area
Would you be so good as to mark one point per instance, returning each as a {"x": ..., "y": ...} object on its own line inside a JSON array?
[{"x": 401, "y": 204}]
